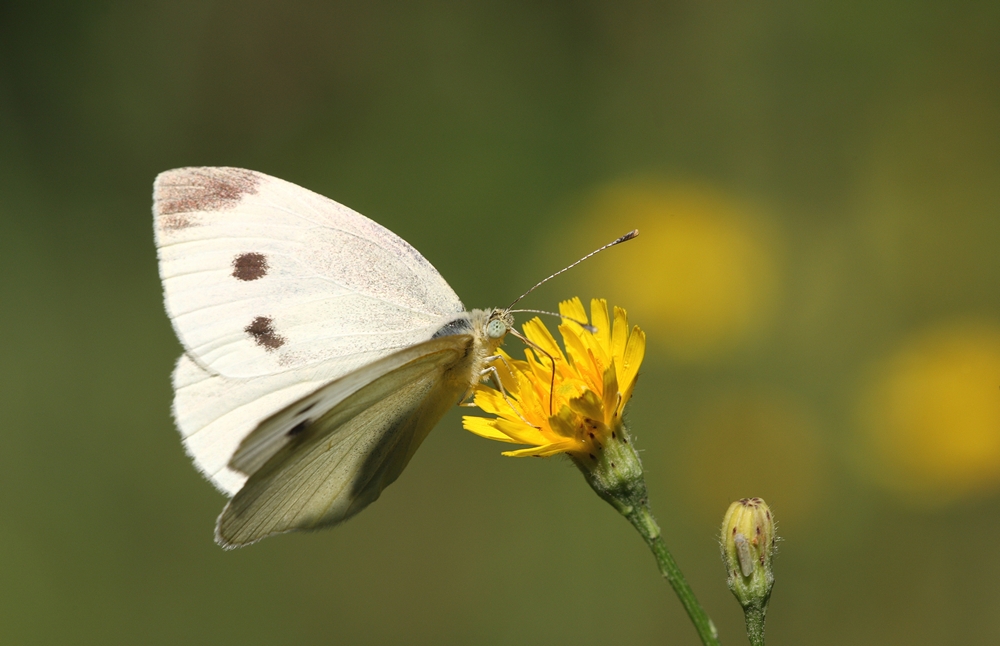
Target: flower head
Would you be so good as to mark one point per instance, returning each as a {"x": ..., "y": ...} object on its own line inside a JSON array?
[
  {"x": 564, "y": 402},
  {"x": 747, "y": 547}
]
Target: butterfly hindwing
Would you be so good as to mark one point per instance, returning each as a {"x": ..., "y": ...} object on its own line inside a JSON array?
[
  {"x": 281, "y": 428},
  {"x": 338, "y": 464}
]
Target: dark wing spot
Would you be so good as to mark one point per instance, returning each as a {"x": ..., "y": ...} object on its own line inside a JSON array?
[
  {"x": 249, "y": 266},
  {"x": 178, "y": 193},
  {"x": 298, "y": 428},
  {"x": 263, "y": 334},
  {"x": 458, "y": 326},
  {"x": 307, "y": 409}
]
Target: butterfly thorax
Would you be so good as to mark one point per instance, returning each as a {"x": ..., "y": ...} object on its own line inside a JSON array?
[{"x": 489, "y": 329}]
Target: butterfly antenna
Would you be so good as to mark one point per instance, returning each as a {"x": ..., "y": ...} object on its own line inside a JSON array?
[
  {"x": 625, "y": 238},
  {"x": 586, "y": 326}
]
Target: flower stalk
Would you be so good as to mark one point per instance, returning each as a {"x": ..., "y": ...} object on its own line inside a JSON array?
[{"x": 617, "y": 478}]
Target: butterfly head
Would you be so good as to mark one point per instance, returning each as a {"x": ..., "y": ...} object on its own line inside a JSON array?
[{"x": 498, "y": 325}]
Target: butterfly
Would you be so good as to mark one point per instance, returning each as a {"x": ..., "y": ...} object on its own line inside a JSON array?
[{"x": 319, "y": 347}]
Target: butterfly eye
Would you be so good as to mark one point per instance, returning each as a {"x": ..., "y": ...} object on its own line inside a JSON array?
[{"x": 496, "y": 329}]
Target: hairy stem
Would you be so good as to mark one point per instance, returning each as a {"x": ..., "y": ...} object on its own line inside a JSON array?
[{"x": 642, "y": 519}]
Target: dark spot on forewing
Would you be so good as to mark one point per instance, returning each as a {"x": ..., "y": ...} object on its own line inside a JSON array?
[
  {"x": 306, "y": 409},
  {"x": 189, "y": 190},
  {"x": 261, "y": 330},
  {"x": 249, "y": 266}
]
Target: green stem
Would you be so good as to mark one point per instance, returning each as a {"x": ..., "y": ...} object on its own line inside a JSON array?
[
  {"x": 642, "y": 519},
  {"x": 755, "y": 623},
  {"x": 616, "y": 476}
]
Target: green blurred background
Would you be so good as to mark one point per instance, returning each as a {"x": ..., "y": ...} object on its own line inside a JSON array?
[{"x": 818, "y": 189}]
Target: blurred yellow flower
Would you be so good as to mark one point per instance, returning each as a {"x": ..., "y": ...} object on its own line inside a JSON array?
[
  {"x": 593, "y": 383},
  {"x": 709, "y": 264},
  {"x": 932, "y": 415}
]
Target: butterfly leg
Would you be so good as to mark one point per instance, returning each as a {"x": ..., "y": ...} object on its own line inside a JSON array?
[{"x": 491, "y": 371}]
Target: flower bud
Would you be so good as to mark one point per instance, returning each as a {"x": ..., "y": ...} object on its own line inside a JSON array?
[{"x": 747, "y": 547}]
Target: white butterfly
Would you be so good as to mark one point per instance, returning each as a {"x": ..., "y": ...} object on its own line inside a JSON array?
[{"x": 319, "y": 347}]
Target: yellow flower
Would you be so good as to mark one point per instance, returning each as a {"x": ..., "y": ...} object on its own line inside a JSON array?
[{"x": 593, "y": 381}]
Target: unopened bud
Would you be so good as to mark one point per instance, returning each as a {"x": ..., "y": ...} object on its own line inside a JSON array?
[{"x": 747, "y": 548}]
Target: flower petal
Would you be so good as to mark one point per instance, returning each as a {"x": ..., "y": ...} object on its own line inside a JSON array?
[
  {"x": 521, "y": 433},
  {"x": 599, "y": 319},
  {"x": 619, "y": 335},
  {"x": 484, "y": 427},
  {"x": 564, "y": 424},
  {"x": 573, "y": 309},
  {"x": 541, "y": 451},
  {"x": 611, "y": 395},
  {"x": 635, "y": 350},
  {"x": 492, "y": 401},
  {"x": 589, "y": 405},
  {"x": 576, "y": 346},
  {"x": 537, "y": 333}
]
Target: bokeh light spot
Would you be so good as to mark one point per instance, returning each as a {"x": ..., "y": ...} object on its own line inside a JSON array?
[
  {"x": 931, "y": 414},
  {"x": 702, "y": 276}
]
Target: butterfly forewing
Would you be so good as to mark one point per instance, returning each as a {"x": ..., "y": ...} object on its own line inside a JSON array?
[
  {"x": 341, "y": 462},
  {"x": 214, "y": 414},
  {"x": 262, "y": 276}
]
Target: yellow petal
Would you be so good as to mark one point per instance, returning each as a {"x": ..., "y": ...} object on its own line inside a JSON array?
[
  {"x": 537, "y": 333},
  {"x": 521, "y": 433},
  {"x": 592, "y": 372},
  {"x": 484, "y": 427},
  {"x": 505, "y": 368},
  {"x": 486, "y": 399},
  {"x": 493, "y": 402},
  {"x": 588, "y": 405},
  {"x": 573, "y": 309},
  {"x": 611, "y": 395},
  {"x": 564, "y": 423},
  {"x": 619, "y": 334},
  {"x": 576, "y": 346},
  {"x": 598, "y": 344},
  {"x": 540, "y": 451},
  {"x": 534, "y": 385},
  {"x": 635, "y": 350},
  {"x": 599, "y": 319}
]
